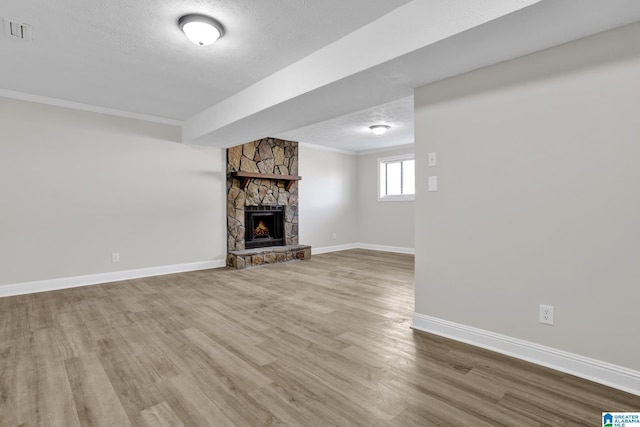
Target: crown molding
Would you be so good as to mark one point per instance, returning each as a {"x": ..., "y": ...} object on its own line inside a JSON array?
[
  {"x": 325, "y": 148},
  {"x": 86, "y": 107}
]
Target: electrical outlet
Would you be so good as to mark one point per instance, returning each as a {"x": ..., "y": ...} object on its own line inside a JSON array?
[
  {"x": 115, "y": 257},
  {"x": 335, "y": 236},
  {"x": 546, "y": 314}
]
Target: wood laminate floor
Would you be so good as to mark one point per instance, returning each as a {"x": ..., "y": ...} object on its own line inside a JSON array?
[{"x": 311, "y": 343}]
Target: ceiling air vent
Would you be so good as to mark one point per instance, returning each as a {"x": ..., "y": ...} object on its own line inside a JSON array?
[{"x": 17, "y": 30}]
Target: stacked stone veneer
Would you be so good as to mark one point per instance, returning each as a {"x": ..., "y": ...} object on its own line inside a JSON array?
[
  {"x": 269, "y": 156},
  {"x": 271, "y": 255}
]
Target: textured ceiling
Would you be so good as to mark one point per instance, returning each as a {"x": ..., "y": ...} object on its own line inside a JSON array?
[
  {"x": 350, "y": 132},
  {"x": 414, "y": 45},
  {"x": 131, "y": 55},
  {"x": 318, "y": 72}
]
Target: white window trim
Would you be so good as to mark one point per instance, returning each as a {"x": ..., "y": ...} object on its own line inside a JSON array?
[{"x": 395, "y": 198}]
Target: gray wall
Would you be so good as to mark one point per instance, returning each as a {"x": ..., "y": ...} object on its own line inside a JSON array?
[
  {"x": 328, "y": 197},
  {"x": 538, "y": 197},
  {"x": 77, "y": 186},
  {"x": 383, "y": 223},
  {"x": 338, "y": 194}
]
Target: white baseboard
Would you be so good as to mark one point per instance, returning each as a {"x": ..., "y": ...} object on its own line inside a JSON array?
[
  {"x": 94, "y": 279},
  {"x": 594, "y": 370},
  {"x": 383, "y": 248},
  {"x": 115, "y": 276},
  {"x": 324, "y": 250},
  {"x": 368, "y": 246}
]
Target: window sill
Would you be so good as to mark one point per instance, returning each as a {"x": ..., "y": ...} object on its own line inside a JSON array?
[{"x": 406, "y": 198}]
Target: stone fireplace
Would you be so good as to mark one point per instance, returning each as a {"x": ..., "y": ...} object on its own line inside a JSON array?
[{"x": 262, "y": 203}]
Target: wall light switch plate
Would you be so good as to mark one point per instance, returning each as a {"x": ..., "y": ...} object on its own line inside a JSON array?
[
  {"x": 433, "y": 183},
  {"x": 432, "y": 159}
]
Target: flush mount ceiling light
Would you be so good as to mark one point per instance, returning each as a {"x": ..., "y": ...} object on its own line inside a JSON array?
[
  {"x": 201, "y": 29},
  {"x": 379, "y": 129}
]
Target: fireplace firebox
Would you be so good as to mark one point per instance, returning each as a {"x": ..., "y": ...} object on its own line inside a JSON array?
[{"x": 263, "y": 226}]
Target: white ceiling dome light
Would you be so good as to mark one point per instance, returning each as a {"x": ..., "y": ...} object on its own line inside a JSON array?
[
  {"x": 201, "y": 29},
  {"x": 379, "y": 129}
]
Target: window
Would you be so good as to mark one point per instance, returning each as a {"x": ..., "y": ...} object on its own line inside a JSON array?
[{"x": 396, "y": 178}]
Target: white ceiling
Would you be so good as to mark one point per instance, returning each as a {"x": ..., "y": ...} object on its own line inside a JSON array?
[
  {"x": 316, "y": 72},
  {"x": 350, "y": 132},
  {"x": 130, "y": 55}
]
